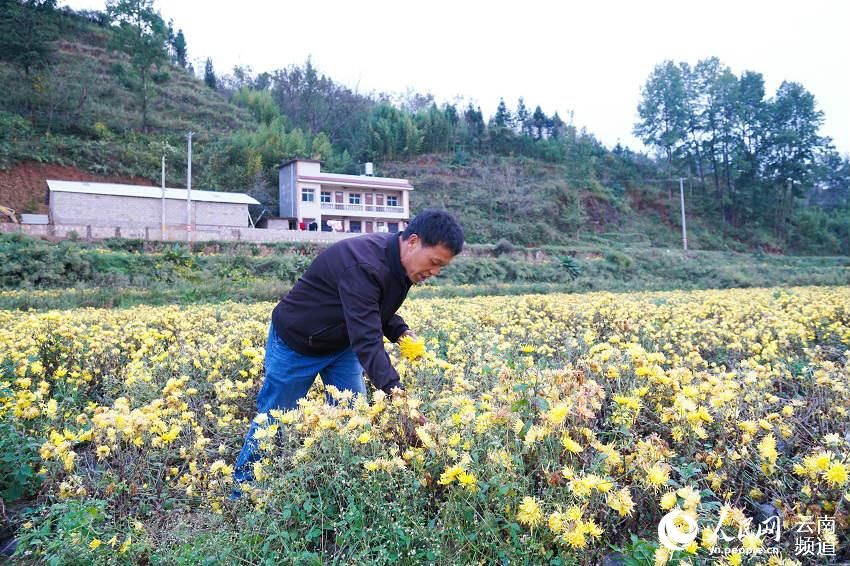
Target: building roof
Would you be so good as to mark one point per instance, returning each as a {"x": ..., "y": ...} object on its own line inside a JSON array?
[
  {"x": 340, "y": 180},
  {"x": 354, "y": 181},
  {"x": 291, "y": 161},
  {"x": 141, "y": 191}
]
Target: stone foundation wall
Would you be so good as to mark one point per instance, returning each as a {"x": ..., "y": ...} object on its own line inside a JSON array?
[{"x": 206, "y": 233}]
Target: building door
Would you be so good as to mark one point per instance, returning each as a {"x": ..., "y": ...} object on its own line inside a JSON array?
[
  {"x": 338, "y": 199},
  {"x": 368, "y": 198},
  {"x": 379, "y": 200},
  {"x": 368, "y": 226},
  {"x": 392, "y": 226}
]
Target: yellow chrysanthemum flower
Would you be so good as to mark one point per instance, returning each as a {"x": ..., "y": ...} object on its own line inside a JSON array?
[
  {"x": 574, "y": 538},
  {"x": 529, "y": 512},
  {"x": 569, "y": 444},
  {"x": 450, "y": 475},
  {"x": 558, "y": 413},
  {"x": 668, "y": 500},
  {"x": 751, "y": 542},
  {"x": 767, "y": 448},
  {"x": 621, "y": 502},
  {"x": 836, "y": 474},
  {"x": 556, "y": 522},
  {"x": 468, "y": 481},
  {"x": 657, "y": 475},
  {"x": 410, "y": 348}
]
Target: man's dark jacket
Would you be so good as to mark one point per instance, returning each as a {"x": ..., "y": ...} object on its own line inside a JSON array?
[{"x": 349, "y": 296}]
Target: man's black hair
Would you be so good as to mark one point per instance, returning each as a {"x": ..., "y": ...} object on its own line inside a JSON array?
[{"x": 434, "y": 227}]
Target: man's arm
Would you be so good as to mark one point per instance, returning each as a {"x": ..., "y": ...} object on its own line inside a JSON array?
[
  {"x": 359, "y": 293},
  {"x": 395, "y": 328}
]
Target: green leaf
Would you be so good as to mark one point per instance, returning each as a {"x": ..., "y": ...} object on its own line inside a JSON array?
[{"x": 314, "y": 533}]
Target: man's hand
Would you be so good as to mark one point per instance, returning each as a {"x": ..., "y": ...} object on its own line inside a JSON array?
[{"x": 410, "y": 333}]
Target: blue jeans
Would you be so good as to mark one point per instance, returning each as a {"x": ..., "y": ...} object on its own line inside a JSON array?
[{"x": 288, "y": 377}]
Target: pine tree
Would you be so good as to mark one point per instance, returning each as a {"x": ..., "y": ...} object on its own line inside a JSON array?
[
  {"x": 503, "y": 118},
  {"x": 538, "y": 121},
  {"x": 474, "y": 120},
  {"x": 501, "y": 129},
  {"x": 554, "y": 126},
  {"x": 209, "y": 75},
  {"x": 178, "y": 44},
  {"x": 523, "y": 122}
]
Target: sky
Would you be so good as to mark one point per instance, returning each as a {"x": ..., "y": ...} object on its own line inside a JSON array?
[{"x": 585, "y": 59}]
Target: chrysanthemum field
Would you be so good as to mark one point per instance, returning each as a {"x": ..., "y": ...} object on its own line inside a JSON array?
[{"x": 558, "y": 429}]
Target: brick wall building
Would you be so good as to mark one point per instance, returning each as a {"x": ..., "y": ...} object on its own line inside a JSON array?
[{"x": 133, "y": 206}]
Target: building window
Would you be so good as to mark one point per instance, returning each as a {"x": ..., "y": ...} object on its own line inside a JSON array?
[
  {"x": 354, "y": 226},
  {"x": 354, "y": 198},
  {"x": 393, "y": 227},
  {"x": 326, "y": 196},
  {"x": 392, "y": 200},
  {"x": 308, "y": 195}
]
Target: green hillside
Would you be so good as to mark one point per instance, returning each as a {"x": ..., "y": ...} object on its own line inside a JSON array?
[
  {"x": 79, "y": 92},
  {"x": 86, "y": 93},
  {"x": 81, "y": 107},
  {"x": 531, "y": 202}
]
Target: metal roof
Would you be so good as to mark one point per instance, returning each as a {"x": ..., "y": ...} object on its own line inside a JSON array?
[{"x": 141, "y": 191}]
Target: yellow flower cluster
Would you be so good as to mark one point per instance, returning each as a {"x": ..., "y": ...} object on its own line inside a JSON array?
[
  {"x": 410, "y": 348},
  {"x": 572, "y": 412},
  {"x": 572, "y": 529}
]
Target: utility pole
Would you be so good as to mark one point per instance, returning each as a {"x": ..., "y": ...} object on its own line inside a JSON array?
[
  {"x": 189, "y": 191},
  {"x": 162, "y": 227},
  {"x": 684, "y": 228},
  {"x": 786, "y": 209}
]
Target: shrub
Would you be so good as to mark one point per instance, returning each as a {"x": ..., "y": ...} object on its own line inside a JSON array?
[
  {"x": 18, "y": 458},
  {"x": 571, "y": 266},
  {"x": 101, "y": 131},
  {"x": 619, "y": 259},
  {"x": 503, "y": 247}
]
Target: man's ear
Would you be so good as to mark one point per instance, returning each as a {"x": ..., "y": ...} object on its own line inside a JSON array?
[{"x": 412, "y": 239}]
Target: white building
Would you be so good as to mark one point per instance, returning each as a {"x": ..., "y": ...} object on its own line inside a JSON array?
[{"x": 348, "y": 203}]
